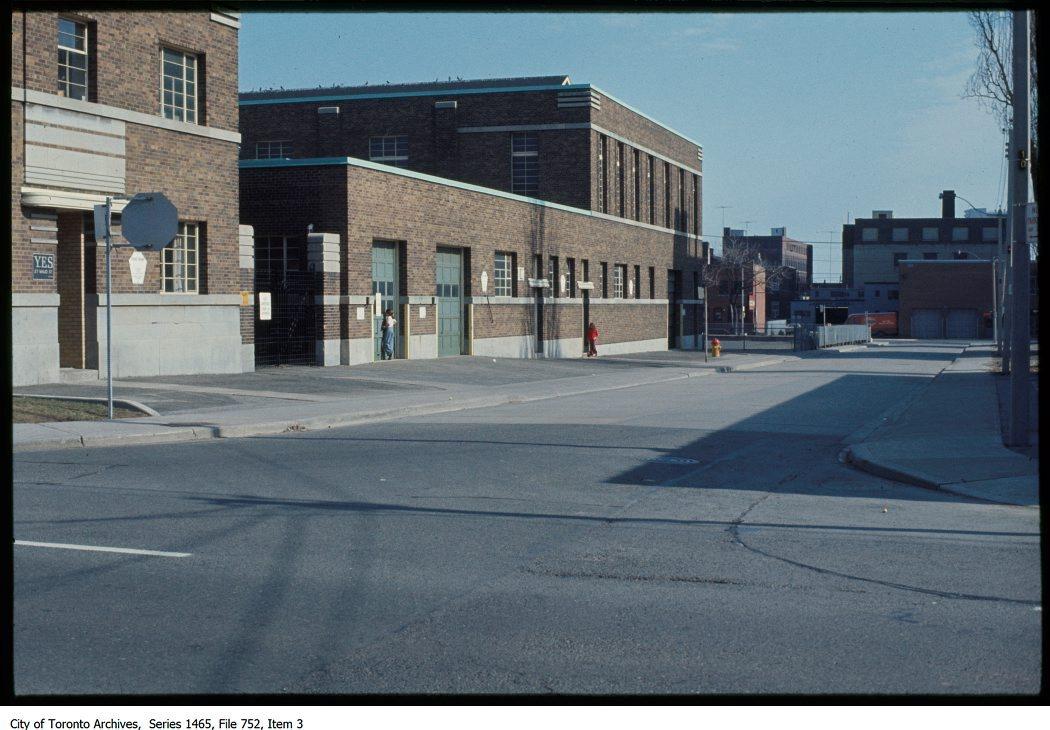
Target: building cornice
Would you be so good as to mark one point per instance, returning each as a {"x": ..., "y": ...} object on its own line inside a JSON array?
[{"x": 31, "y": 96}]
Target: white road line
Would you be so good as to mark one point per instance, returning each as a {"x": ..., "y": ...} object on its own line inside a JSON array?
[{"x": 97, "y": 549}]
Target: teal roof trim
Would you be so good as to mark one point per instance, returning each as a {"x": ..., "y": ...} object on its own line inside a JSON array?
[
  {"x": 396, "y": 94},
  {"x": 368, "y": 164}
]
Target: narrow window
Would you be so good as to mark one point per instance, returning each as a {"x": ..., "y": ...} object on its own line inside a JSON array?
[
  {"x": 570, "y": 266},
  {"x": 960, "y": 233},
  {"x": 524, "y": 159},
  {"x": 502, "y": 275},
  {"x": 602, "y": 202},
  {"x": 696, "y": 204},
  {"x": 930, "y": 233},
  {"x": 650, "y": 176},
  {"x": 869, "y": 234},
  {"x": 637, "y": 282},
  {"x": 637, "y": 174},
  {"x": 552, "y": 272},
  {"x": 605, "y": 280},
  {"x": 652, "y": 282},
  {"x": 619, "y": 271},
  {"x": 586, "y": 270},
  {"x": 179, "y": 261},
  {"x": 389, "y": 150},
  {"x": 667, "y": 195},
  {"x": 620, "y": 176},
  {"x": 72, "y": 59},
  {"x": 900, "y": 234},
  {"x": 683, "y": 224},
  {"x": 179, "y": 90}
]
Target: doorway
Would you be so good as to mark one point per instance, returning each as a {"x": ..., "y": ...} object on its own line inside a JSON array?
[
  {"x": 385, "y": 289},
  {"x": 449, "y": 279}
]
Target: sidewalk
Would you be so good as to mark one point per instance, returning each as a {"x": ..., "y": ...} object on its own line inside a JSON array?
[
  {"x": 273, "y": 401},
  {"x": 949, "y": 438}
]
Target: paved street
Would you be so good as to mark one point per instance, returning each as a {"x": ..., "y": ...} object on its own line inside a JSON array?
[{"x": 693, "y": 536}]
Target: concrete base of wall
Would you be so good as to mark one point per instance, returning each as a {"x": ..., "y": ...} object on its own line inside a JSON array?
[
  {"x": 173, "y": 335},
  {"x": 626, "y": 348},
  {"x": 423, "y": 347},
  {"x": 355, "y": 351},
  {"x": 247, "y": 355},
  {"x": 524, "y": 346},
  {"x": 328, "y": 352},
  {"x": 34, "y": 339}
]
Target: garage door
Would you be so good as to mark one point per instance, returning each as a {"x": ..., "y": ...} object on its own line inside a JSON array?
[
  {"x": 926, "y": 324},
  {"x": 962, "y": 324}
]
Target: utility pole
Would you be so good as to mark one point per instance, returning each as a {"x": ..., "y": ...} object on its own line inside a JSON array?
[{"x": 1020, "y": 306}]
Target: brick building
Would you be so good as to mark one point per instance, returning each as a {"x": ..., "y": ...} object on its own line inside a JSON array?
[
  {"x": 111, "y": 103},
  {"x": 872, "y": 248},
  {"x": 789, "y": 263},
  {"x": 496, "y": 217},
  {"x": 946, "y": 299}
]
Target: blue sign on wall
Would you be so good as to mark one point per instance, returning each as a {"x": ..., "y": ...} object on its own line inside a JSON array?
[{"x": 44, "y": 266}]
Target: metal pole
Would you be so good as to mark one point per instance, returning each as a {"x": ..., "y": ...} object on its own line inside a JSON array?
[
  {"x": 995, "y": 304},
  {"x": 1020, "y": 306},
  {"x": 705, "y": 324},
  {"x": 109, "y": 307}
]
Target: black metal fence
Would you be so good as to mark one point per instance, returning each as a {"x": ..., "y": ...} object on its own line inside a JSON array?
[{"x": 287, "y": 338}]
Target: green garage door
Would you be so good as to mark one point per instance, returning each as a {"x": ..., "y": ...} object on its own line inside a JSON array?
[
  {"x": 384, "y": 282},
  {"x": 449, "y": 277},
  {"x": 927, "y": 324}
]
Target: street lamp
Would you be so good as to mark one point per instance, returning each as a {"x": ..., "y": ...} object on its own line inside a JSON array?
[{"x": 995, "y": 280}]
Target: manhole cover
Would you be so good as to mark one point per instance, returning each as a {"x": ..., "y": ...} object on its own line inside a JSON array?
[{"x": 674, "y": 460}]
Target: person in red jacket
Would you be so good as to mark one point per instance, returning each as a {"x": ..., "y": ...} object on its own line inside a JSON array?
[{"x": 592, "y": 340}]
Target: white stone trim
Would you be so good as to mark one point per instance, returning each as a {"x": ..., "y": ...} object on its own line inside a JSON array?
[
  {"x": 176, "y": 300},
  {"x": 225, "y": 19},
  {"x": 34, "y": 300},
  {"x": 31, "y": 96},
  {"x": 65, "y": 199}
]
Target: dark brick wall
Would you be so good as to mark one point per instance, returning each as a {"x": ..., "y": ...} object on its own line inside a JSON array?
[{"x": 944, "y": 286}]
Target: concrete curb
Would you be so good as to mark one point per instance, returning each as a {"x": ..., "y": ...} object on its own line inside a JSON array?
[
  {"x": 179, "y": 432},
  {"x": 752, "y": 365}
]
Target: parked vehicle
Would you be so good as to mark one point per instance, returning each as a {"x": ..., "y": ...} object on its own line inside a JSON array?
[{"x": 883, "y": 324}]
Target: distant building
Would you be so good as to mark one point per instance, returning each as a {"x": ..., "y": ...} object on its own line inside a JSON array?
[
  {"x": 946, "y": 299},
  {"x": 873, "y": 248},
  {"x": 777, "y": 250}
]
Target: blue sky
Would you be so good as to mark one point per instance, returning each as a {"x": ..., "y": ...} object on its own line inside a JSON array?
[{"x": 805, "y": 118}]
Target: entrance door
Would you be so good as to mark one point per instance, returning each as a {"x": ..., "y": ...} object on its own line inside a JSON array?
[
  {"x": 385, "y": 286},
  {"x": 449, "y": 278},
  {"x": 586, "y": 315}
]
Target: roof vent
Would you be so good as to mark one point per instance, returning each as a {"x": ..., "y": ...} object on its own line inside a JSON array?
[
  {"x": 327, "y": 110},
  {"x": 882, "y": 214},
  {"x": 445, "y": 104}
]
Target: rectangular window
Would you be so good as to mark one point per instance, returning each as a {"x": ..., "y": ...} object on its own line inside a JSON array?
[
  {"x": 637, "y": 174},
  {"x": 525, "y": 163},
  {"x": 273, "y": 149},
  {"x": 960, "y": 233},
  {"x": 552, "y": 275},
  {"x": 503, "y": 274},
  {"x": 960, "y": 255},
  {"x": 179, "y": 86},
  {"x": 619, "y": 275},
  {"x": 602, "y": 202},
  {"x": 389, "y": 150},
  {"x": 667, "y": 195},
  {"x": 897, "y": 258},
  {"x": 696, "y": 204},
  {"x": 900, "y": 234},
  {"x": 72, "y": 59},
  {"x": 620, "y": 172},
  {"x": 990, "y": 235},
  {"x": 586, "y": 269},
  {"x": 179, "y": 261},
  {"x": 650, "y": 176},
  {"x": 930, "y": 233},
  {"x": 637, "y": 282},
  {"x": 570, "y": 266},
  {"x": 869, "y": 234},
  {"x": 929, "y": 255},
  {"x": 605, "y": 280},
  {"x": 652, "y": 282},
  {"x": 893, "y": 294}
]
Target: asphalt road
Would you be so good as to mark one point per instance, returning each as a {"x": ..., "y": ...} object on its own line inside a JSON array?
[{"x": 699, "y": 536}]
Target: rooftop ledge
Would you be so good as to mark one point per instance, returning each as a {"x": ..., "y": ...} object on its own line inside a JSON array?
[{"x": 368, "y": 164}]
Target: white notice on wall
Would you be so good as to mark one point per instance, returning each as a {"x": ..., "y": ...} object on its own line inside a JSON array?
[
  {"x": 265, "y": 310},
  {"x": 360, "y": 312},
  {"x": 521, "y": 273},
  {"x": 137, "y": 262},
  {"x": 422, "y": 312},
  {"x": 484, "y": 281},
  {"x": 561, "y": 283}
]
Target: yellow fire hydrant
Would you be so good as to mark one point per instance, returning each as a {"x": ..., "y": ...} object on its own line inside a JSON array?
[{"x": 716, "y": 348}]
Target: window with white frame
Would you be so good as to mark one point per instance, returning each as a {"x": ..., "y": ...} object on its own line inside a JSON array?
[
  {"x": 179, "y": 86},
  {"x": 990, "y": 235},
  {"x": 274, "y": 149},
  {"x": 179, "y": 261},
  {"x": 619, "y": 276},
  {"x": 960, "y": 233},
  {"x": 900, "y": 234},
  {"x": 72, "y": 59},
  {"x": 869, "y": 234},
  {"x": 930, "y": 233},
  {"x": 389, "y": 150},
  {"x": 524, "y": 163},
  {"x": 501, "y": 275}
]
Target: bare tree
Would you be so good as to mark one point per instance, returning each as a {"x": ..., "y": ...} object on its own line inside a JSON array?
[
  {"x": 740, "y": 256},
  {"x": 991, "y": 83}
]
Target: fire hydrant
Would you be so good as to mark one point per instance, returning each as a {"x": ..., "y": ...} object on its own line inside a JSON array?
[{"x": 716, "y": 348}]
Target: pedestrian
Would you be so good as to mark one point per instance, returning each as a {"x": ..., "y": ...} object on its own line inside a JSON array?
[
  {"x": 592, "y": 340},
  {"x": 388, "y": 334}
]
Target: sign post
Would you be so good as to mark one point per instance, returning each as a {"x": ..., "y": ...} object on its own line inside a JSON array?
[{"x": 149, "y": 221}]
